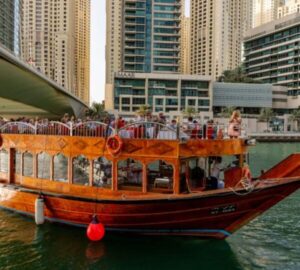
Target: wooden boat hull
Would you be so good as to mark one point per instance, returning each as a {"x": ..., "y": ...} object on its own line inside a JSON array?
[{"x": 204, "y": 214}]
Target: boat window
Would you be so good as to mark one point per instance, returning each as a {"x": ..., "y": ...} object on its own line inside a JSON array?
[
  {"x": 18, "y": 157},
  {"x": 28, "y": 164},
  {"x": 160, "y": 176},
  {"x": 60, "y": 172},
  {"x": 81, "y": 173},
  {"x": 193, "y": 174},
  {"x": 44, "y": 161},
  {"x": 3, "y": 161},
  {"x": 102, "y": 171},
  {"x": 130, "y": 174}
]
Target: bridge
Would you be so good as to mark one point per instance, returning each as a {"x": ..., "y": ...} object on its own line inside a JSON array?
[{"x": 24, "y": 91}]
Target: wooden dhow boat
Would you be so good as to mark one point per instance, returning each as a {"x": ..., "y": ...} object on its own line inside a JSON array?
[{"x": 145, "y": 178}]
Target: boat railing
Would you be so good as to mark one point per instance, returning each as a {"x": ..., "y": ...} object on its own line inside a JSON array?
[
  {"x": 53, "y": 128},
  {"x": 92, "y": 129},
  {"x": 149, "y": 130},
  {"x": 136, "y": 130},
  {"x": 18, "y": 128}
]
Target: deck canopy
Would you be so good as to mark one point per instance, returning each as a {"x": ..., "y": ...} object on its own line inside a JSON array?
[{"x": 24, "y": 91}]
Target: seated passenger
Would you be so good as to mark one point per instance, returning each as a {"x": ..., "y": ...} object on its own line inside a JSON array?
[{"x": 216, "y": 169}]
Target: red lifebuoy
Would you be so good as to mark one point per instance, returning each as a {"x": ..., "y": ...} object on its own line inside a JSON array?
[{"x": 114, "y": 144}]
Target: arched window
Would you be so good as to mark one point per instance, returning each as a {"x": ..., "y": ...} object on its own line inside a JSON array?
[
  {"x": 102, "y": 172},
  {"x": 3, "y": 161},
  {"x": 160, "y": 176},
  {"x": 130, "y": 174},
  {"x": 28, "y": 164},
  {"x": 81, "y": 173},
  {"x": 44, "y": 161},
  {"x": 60, "y": 172}
]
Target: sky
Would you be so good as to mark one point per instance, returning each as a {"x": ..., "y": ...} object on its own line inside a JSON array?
[{"x": 98, "y": 32}]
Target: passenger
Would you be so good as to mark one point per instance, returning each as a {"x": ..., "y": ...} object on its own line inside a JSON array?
[
  {"x": 234, "y": 128},
  {"x": 173, "y": 124},
  {"x": 216, "y": 169},
  {"x": 210, "y": 132}
]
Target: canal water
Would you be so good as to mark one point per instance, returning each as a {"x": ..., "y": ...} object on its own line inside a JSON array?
[{"x": 272, "y": 241}]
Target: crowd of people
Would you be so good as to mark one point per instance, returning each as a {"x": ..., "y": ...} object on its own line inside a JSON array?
[{"x": 192, "y": 127}]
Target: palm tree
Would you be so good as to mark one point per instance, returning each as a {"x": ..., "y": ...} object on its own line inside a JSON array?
[
  {"x": 189, "y": 112},
  {"x": 237, "y": 75},
  {"x": 266, "y": 115},
  {"x": 295, "y": 117},
  {"x": 143, "y": 110},
  {"x": 227, "y": 112},
  {"x": 97, "y": 111}
]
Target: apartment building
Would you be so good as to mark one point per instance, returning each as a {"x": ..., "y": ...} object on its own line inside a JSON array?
[
  {"x": 272, "y": 55},
  {"x": 10, "y": 25},
  {"x": 57, "y": 42},
  {"x": 217, "y": 29}
]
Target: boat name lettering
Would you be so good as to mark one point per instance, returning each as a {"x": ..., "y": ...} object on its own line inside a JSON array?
[{"x": 223, "y": 209}]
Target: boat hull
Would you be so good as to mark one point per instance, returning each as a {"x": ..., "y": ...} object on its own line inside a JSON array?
[{"x": 215, "y": 215}]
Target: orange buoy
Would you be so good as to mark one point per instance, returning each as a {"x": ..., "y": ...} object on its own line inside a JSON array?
[
  {"x": 95, "y": 230},
  {"x": 114, "y": 144}
]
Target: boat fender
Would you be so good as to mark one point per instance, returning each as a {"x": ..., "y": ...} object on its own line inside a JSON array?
[
  {"x": 39, "y": 211},
  {"x": 114, "y": 144},
  {"x": 95, "y": 230}
]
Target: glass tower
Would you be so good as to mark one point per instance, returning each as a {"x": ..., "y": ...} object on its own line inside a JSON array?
[
  {"x": 151, "y": 36},
  {"x": 10, "y": 25}
]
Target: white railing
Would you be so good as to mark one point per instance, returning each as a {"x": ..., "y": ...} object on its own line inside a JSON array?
[
  {"x": 18, "y": 128},
  {"x": 136, "y": 130},
  {"x": 92, "y": 129},
  {"x": 148, "y": 130},
  {"x": 53, "y": 128}
]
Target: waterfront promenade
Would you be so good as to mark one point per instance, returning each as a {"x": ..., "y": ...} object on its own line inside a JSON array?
[{"x": 276, "y": 136}]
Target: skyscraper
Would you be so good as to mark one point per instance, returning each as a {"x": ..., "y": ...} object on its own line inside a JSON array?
[
  {"x": 185, "y": 45},
  {"x": 57, "y": 41},
  {"x": 10, "y": 25},
  {"x": 265, "y": 11},
  {"x": 290, "y": 7},
  {"x": 217, "y": 29},
  {"x": 143, "y": 36}
]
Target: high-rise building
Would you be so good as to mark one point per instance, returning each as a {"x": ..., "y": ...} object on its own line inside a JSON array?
[
  {"x": 143, "y": 36},
  {"x": 10, "y": 25},
  {"x": 265, "y": 11},
  {"x": 272, "y": 55},
  {"x": 290, "y": 7},
  {"x": 217, "y": 29},
  {"x": 57, "y": 41},
  {"x": 185, "y": 45}
]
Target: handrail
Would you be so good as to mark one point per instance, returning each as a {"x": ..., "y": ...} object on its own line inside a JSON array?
[
  {"x": 148, "y": 130},
  {"x": 92, "y": 129},
  {"x": 18, "y": 128},
  {"x": 136, "y": 130}
]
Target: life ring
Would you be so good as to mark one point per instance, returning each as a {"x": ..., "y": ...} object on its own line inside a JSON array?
[{"x": 114, "y": 144}]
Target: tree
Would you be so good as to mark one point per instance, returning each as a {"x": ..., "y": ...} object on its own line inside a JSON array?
[
  {"x": 189, "y": 112},
  {"x": 295, "y": 117},
  {"x": 266, "y": 115},
  {"x": 97, "y": 111},
  {"x": 227, "y": 112},
  {"x": 237, "y": 75},
  {"x": 143, "y": 110}
]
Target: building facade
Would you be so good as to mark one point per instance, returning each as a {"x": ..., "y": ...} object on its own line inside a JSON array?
[
  {"x": 57, "y": 42},
  {"x": 265, "y": 11},
  {"x": 290, "y": 7},
  {"x": 162, "y": 92},
  {"x": 10, "y": 25},
  {"x": 185, "y": 53},
  {"x": 217, "y": 29},
  {"x": 143, "y": 36},
  {"x": 272, "y": 55}
]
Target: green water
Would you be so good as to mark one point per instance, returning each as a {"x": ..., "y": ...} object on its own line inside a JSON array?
[{"x": 270, "y": 242}]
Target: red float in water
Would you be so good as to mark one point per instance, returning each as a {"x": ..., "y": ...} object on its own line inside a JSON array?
[{"x": 95, "y": 230}]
